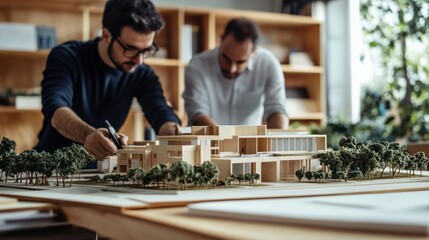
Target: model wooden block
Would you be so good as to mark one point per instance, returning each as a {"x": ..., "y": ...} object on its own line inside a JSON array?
[{"x": 275, "y": 155}]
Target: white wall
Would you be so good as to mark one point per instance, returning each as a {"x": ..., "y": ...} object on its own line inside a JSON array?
[{"x": 257, "y": 5}]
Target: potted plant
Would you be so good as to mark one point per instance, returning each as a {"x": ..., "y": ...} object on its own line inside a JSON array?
[{"x": 393, "y": 31}]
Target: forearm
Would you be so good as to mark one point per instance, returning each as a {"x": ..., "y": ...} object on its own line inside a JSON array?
[
  {"x": 68, "y": 124},
  {"x": 278, "y": 121},
  {"x": 204, "y": 120}
]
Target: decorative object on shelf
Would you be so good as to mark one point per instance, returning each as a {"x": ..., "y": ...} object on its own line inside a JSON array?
[
  {"x": 28, "y": 102},
  {"x": 300, "y": 59},
  {"x": 46, "y": 37},
  {"x": 18, "y": 36}
]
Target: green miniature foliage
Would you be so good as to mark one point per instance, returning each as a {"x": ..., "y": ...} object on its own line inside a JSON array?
[
  {"x": 182, "y": 172},
  {"x": 300, "y": 173},
  {"x": 240, "y": 177},
  {"x": 366, "y": 158},
  {"x": 355, "y": 174},
  {"x": 209, "y": 171},
  {"x": 95, "y": 178},
  {"x": 319, "y": 176},
  {"x": 255, "y": 176},
  {"x": 159, "y": 173},
  {"x": 309, "y": 175},
  {"x": 135, "y": 174}
]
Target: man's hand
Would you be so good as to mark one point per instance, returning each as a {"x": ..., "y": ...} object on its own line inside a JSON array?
[
  {"x": 99, "y": 144},
  {"x": 169, "y": 128},
  {"x": 278, "y": 121}
]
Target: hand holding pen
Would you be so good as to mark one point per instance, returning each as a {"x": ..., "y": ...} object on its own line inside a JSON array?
[{"x": 113, "y": 135}]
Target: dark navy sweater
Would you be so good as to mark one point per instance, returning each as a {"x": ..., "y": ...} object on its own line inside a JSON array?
[{"x": 76, "y": 77}]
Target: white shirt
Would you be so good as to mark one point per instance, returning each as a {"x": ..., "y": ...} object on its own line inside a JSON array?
[{"x": 258, "y": 91}]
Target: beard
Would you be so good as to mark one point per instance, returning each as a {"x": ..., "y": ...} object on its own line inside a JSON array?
[
  {"x": 125, "y": 67},
  {"x": 229, "y": 75}
]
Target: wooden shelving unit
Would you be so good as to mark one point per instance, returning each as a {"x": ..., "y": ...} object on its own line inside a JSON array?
[{"x": 81, "y": 20}]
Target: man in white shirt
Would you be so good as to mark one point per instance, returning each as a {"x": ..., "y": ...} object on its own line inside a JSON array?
[{"x": 236, "y": 83}]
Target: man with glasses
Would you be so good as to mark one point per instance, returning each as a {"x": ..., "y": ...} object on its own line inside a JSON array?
[
  {"x": 86, "y": 83},
  {"x": 237, "y": 83}
]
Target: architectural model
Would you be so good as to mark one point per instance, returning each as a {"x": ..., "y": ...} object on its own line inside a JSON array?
[{"x": 274, "y": 154}]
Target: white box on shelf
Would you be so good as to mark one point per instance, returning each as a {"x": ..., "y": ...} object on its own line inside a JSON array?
[
  {"x": 28, "y": 102},
  {"x": 186, "y": 43},
  {"x": 301, "y": 105},
  {"x": 18, "y": 36},
  {"x": 300, "y": 59}
]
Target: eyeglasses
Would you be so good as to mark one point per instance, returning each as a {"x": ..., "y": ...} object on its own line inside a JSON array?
[{"x": 132, "y": 53}]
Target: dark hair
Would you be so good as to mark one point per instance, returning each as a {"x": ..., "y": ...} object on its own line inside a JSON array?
[
  {"x": 242, "y": 28},
  {"x": 138, "y": 14}
]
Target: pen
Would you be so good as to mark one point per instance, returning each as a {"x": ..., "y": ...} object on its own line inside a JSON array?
[{"x": 112, "y": 133}]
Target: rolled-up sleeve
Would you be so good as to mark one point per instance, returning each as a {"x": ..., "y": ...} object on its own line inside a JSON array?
[
  {"x": 275, "y": 92},
  {"x": 195, "y": 94},
  {"x": 57, "y": 83}
]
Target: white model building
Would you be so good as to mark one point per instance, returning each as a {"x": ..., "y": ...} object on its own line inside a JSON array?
[{"x": 274, "y": 154}]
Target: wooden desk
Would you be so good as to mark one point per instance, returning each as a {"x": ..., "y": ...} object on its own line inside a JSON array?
[
  {"x": 146, "y": 216},
  {"x": 175, "y": 223}
]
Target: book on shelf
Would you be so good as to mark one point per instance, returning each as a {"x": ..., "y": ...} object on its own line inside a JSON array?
[{"x": 189, "y": 42}]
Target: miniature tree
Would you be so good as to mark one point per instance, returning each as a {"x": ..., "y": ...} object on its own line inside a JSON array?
[
  {"x": 123, "y": 178},
  {"x": 367, "y": 161},
  {"x": 256, "y": 177},
  {"x": 355, "y": 174},
  {"x": 228, "y": 181},
  {"x": 410, "y": 165},
  {"x": 318, "y": 176},
  {"x": 56, "y": 159},
  {"x": 135, "y": 174},
  {"x": 95, "y": 178},
  {"x": 299, "y": 174},
  {"x": 181, "y": 172},
  {"x": 339, "y": 174},
  {"x": 248, "y": 178},
  {"x": 146, "y": 179},
  {"x": 7, "y": 147},
  {"x": 9, "y": 160},
  {"x": 31, "y": 157},
  {"x": 106, "y": 179},
  {"x": 385, "y": 157},
  {"x": 46, "y": 166},
  {"x": 159, "y": 173},
  {"x": 397, "y": 162},
  {"x": 421, "y": 161},
  {"x": 198, "y": 177},
  {"x": 116, "y": 178},
  {"x": 18, "y": 168},
  {"x": 347, "y": 142},
  {"x": 240, "y": 177},
  {"x": 330, "y": 159},
  {"x": 233, "y": 177},
  {"x": 309, "y": 175},
  {"x": 209, "y": 171}
]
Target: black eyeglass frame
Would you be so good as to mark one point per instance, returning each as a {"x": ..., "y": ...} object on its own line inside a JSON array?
[{"x": 132, "y": 53}]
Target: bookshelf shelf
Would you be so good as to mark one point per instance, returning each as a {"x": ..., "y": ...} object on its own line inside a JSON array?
[
  {"x": 302, "y": 70},
  {"x": 39, "y": 53}
]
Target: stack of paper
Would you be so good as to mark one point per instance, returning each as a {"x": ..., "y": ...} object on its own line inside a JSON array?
[{"x": 405, "y": 212}]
